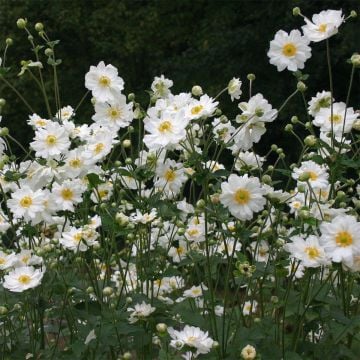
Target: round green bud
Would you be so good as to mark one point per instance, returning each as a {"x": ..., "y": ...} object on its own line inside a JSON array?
[
  {"x": 293, "y": 166},
  {"x": 342, "y": 204},
  {"x": 305, "y": 214},
  {"x": 4, "y": 131},
  {"x": 296, "y": 11},
  {"x": 131, "y": 97},
  {"x": 282, "y": 156},
  {"x": 17, "y": 306},
  {"x": 161, "y": 327},
  {"x": 355, "y": 60},
  {"x": 294, "y": 119},
  {"x": 9, "y": 41},
  {"x": 251, "y": 77},
  {"x": 201, "y": 204},
  {"x": 289, "y": 128},
  {"x": 215, "y": 344},
  {"x": 274, "y": 299},
  {"x": 266, "y": 179},
  {"x": 127, "y": 356},
  {"x": 131, "y": 129},
  {"x": 39, "y": 26},
  {"x": 308, "y": 125},
  {"x": 310, "y": 140},
  {"x": 130, "y": 236},
  {"x": 128, "y": 300},
  {"x": 30, "y": 38},
  {"x": 128, "y": 161},
  {"x": 197, "y": 90},
  {"x": 301, "y": 86},
  {"x": 48, "y": 52},
  {"x": 2, "y": 102},
  {"x": 279, "y": 151},
  {"x": 21, "y": 23},
  {"x": 181, "y": 231},
  {"x": 117, "y": 163},
  {"x": 126, "y": 143},
  {"x": 274, "y": 147},
  {"x": 3, "y": 310},
  {"x": 305, "y": 176},
  {"x": 107, "y": 291},
  {"x": 224, "y": 119},
  {"x": 353, "y": 14}
]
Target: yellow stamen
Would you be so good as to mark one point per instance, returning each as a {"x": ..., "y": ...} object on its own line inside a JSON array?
[
  {"x": 343, "y": 239},
  {"x": 24, "y": 279},
  {"x": 67, "y": 194},
  {"x": 51, "y": 140},
  {"x": 289, "y": 49},
  {"x": 196, "y": 109},
  {"x": 242, "y": 196},
  {"x": 165, "y": 126},
  {"x": 104, "y": 81},
  {"x": 26, "y": 201}
]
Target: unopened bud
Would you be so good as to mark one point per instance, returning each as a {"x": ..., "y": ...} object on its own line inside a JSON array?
[
  {"x": 353, "y": 14},
  {"x": 107, "y": 291},
  {"x": 161, "y": 327},
  {"x": 9, "y": 41},
  {"x": 2, "y": 102},
  {"x": 197, "y": 90},
  {"x": 305, "y": 176},
  {"x": 4, "y": 131},
  {"x": 39, "y": 27},
  {"x": 301, "y": 86},
  {"x": 3, "y": 310},
  {"x": 355, "y": 60},
  {"x": 126, "y": 143},
  {"x": 131, "y": 97},
  {"x": 294, "y": 119},
  {"x": 21, "y": 23},
  {"x": 48, "y": 52},
  {"x": 251, "y": 77},
  {"x": 289, "y": 128},
  {"x": 310, "y": 140},
  {"x": 296, "y": 11}
]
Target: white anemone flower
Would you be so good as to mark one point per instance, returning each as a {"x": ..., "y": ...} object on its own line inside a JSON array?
[
  {"x": 243, "y": 196},
  {"x": 104, "y": 82},
  {"x": 140, "y": 312},
  {"x": 341, "y": 239},
  {"x": 289, "y": 50},
  {"x": 323, "y": 25},
  {"x": 321, "y": 100},
  {"x": 23, "y": 278}
]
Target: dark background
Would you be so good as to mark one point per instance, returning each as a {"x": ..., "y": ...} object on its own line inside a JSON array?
[{"x": 189, "y": 41}]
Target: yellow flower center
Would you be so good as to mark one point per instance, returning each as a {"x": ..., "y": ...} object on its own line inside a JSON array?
[
  {"x": 343, "y": 239},
  {"x": 114, "y": 113},
  {"x": 196, "y": 291},
  {"x": 335, "y": 119},
  {"x": 51, "y": 140},
  {"x": 103, "y": 193},
  {"x": 170, "y": 175},
  {"x": 312, "y": 252},
  {"x": 193, "y": 232},
  {"x": 242, "y": 196},
  {"x": 67, "y": 194},
  {"x": 25, "y": 259},
  {"x": 77, "y": 237},
  {"x": 196, "y": 109},
  {"x": 2, "y": 261},
  {"x": 322, "y": 28},
  {"x": 180, "y": 250},
  {"x": 24, "y": 279},
  {"x": 165, "y": 126},
  {"x": 75, "y": 163},
  {"x": 289, "y": 49},
  {"x": 104, "y": 81},
  {"x": 26, "y": 201},
  {"x": 40, "y": 122},
  {"x": 98, "y": 148},
  {"x": 313, "y": 175}
]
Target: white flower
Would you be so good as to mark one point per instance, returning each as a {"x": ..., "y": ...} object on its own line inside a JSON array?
[
  {"x": 234, "y": 88},
  {"x": 160, "y": 86},
  {"x": 22, "y": 278},
  {"x": 318, "y": 176},
  {"x": 248, "y": 352},
  {"x": 261, "y": 250},
  {"x": 114, "y": 114},
  {"x": 309, "y": 251},
  {"x": 323, "y": 25},
  {"x": 250, "y": 307},
  {"x": 341, "y": 239},
  {"x": 51, "y": 140},
  {"x": 7, "y": 260},
  {"x": 140, "y": 312},
  {"x": 104, "y": 82},
  {"x": 289, "y": 50},
  {"x": 165, "y": 131},
  {"x": 248, "y": 159},
  {"x": 26, "y": 203},
  {"x": 68, "y": 194},
  {"x": 73, "y": 239},
  {"x": 222, "y": 132},
  {"x": 195, "y": 291},
  {"x": 243, "y": 196},
  {"x": 91, "y": 336},
  {"x": 205, "y": 106},
  {"x": 321, "y": 100},
  {"x": 37, "y": 121},
  {"x": 65, "y": 113},
  {"x": 193, "y": 337},
  {"x": 170, "y": 177},
  {"x": 341, "y": 120}
]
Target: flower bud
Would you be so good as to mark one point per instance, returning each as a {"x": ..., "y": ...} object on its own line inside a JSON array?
[
  {"x": 274, "y": 147},
  {"x": 128, "y": 300},
  {"x": 3, "y": 310},
  {"x": 48, "y": 52},
  {"x": 107, "y": 291},
  {"x": 197, "y": 90},
  {"x": 248, "y": 353},
  {"x": 301, "y": 86},
  {"x": 4, "y": 131},
  {"x": 128, "y": 161},
  {"x": 2, "y": 102},
  {"x": 356, "y": 125},
  {"x": 9, "y": 41},
  {"x": 355, "y": 60},
  {"x": 161, "y": 327},
  {"x": 131, "y": 97},
  {"x": 251, "y": 77},
  {"x": 126, "y": 143},
  {"x": 21, "y": 23},
  {"x": 39, "y": 27},
  {"x": 296, "y": 11},
  {"x": 127, "y": 356},
  {"x": 353, "y": 14},
  {"x": 90, "y": 290},
  {"x": 294, "y": 119},
  {"x": 266, "y": 179},
  {"x": 310, "y": 140},
  {"x": 289, "y": 128},
  {"x": 305, "y": 176}
]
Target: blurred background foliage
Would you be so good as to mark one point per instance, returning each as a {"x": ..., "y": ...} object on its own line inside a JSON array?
[{"x": 192, "y": 42}]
